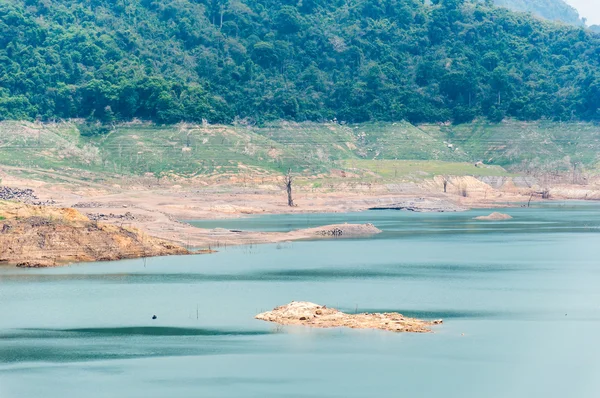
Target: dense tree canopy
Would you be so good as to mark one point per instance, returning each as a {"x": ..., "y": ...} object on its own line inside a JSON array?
[{"x": 354, "y": 60}]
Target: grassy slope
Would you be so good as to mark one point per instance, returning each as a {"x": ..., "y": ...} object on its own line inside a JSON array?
[
  {"x": 419, "y": 169},
  {"x": 523, "y": 145},
  {"x": 185, "y": 150},
  {"x": 391, "y": 150},
  {"x": 404, "y": 141},
  {"x": 47, "y": 147}
]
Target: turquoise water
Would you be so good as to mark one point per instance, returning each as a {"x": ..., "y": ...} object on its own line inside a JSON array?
[{"x": 520, "y": 300}]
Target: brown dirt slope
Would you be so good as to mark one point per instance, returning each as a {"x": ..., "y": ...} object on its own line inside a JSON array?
[
  {"x": 39, "y": 236},
  {"x": 319, "y": 316}
]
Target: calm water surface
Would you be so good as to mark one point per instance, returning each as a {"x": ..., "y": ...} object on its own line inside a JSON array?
[{"x": 525, "y": 294}]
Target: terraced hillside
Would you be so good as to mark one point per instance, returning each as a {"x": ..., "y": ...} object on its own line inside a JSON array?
[
  {"x": 390, "y": 150},
  {"x": 525, "y": 145}
]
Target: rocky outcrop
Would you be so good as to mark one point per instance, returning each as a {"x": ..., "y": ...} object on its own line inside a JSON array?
[
  {"x": 37, "y": 236},
  {"x": 319, "y": 316},
  {"x": 494, "y": 217}
]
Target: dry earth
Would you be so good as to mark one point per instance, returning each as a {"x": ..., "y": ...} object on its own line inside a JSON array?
[
  {"x": 319, "y": 316},
  {"x": 40, "y": 236}
]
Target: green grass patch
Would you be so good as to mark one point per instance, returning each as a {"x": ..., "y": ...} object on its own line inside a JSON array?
[{"x": 421, "y": 169}]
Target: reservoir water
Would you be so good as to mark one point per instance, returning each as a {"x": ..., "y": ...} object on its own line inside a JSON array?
[{"x": 520, "y": 301}]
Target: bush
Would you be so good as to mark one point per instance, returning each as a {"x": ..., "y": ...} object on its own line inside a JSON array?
[{"x": 93, "y": 129}]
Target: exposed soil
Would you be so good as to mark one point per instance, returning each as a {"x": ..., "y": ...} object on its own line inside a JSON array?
[
  {"x": 319, "y": 316},
  {"x": 36, "y": 236},
  {"x": 40, "y": 236}
]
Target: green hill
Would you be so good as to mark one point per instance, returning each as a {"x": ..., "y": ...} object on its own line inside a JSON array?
[{"x": 256, "y": 61}]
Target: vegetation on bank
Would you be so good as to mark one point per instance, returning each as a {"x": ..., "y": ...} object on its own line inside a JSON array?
[
  {"x": 388, "y": 150},
  {"x": 228, "y": 60}
]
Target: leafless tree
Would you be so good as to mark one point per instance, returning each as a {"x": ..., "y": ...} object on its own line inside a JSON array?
[
  {"x": 529, "y": 201},
  {"x": 289, "y": 179},
  {"x": 546, "y": 193}
]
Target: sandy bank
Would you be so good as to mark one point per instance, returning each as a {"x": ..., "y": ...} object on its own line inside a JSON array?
[
  {"x": 223, "y": 237},
  {"x": 318, "y": 316},
  {"x": 422, "y": 205},
  {"x": 336, "y": 231}
]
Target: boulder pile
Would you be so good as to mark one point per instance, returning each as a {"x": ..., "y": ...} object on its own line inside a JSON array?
[
  {"x": 106, "y": 217},
  {"x": 23, "y": 196}
]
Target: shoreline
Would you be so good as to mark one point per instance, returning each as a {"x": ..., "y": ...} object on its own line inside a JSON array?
[
  {"x": 158, "y": 210},
  {"x": 220, "y": 237}
]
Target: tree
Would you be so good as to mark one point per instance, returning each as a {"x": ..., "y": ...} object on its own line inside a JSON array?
[
  {"x": 288, "y": 20},
  {"x": 263, "y": 53}
]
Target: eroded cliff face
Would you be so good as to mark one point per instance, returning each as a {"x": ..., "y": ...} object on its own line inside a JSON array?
[{"x": 39, "y": 236}]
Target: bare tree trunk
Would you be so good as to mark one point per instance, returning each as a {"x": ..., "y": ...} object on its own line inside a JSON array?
[
  {"x": 529, "y": 202},
  {"x": 289, "y": 179}
]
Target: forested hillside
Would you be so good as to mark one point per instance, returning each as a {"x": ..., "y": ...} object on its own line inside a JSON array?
[
  {"x": 554, "y": 10},
  {"x": 354, "y": 60}
]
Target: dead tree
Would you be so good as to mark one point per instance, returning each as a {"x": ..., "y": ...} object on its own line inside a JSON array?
[
  {"x": 289, "y": 179},
  {"x": 546, "y": 193}
]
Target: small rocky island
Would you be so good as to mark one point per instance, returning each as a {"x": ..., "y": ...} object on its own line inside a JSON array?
[
  {"x": 495, "y": 216},
  {"x": 319, "y": 316}
]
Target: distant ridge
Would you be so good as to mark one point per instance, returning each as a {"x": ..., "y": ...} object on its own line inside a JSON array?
[{"x": 553, "y": 10}]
